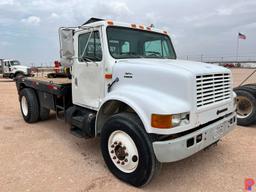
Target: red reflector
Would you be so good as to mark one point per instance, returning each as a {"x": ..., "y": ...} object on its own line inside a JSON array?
[
  {"x": 108, "y": 76},
  {"x": 52, "y": 87}
]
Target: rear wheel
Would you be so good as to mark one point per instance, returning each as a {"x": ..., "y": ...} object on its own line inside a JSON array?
[
  {"x": 29, "y": 105},
  {"x": 127, "y": 149},
  {"x": 246, "y": 108}
]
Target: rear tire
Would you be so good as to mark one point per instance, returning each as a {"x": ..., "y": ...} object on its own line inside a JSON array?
[
  {"x": 29, "y": 105},
  {"x": 246, "y": 108},
  {"x": 127, "y": 149}
]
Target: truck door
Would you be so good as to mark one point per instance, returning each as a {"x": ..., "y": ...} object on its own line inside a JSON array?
[
  {"x": 6, "y": 67},
  {"x": 87, "y": 80}
]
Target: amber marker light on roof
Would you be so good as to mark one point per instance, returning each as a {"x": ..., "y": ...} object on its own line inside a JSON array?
[
  {"x": 141, "y": 26},
  {"x": 133, "y": 25},
  {"x": 110, "y": 22}
]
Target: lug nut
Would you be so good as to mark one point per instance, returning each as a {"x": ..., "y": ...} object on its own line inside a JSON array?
[
  {"x": 115, "y": 142},
  {"x": 126, "y": 154},
  {"x": 112, "y": 151},
  {"x": 114, "y": 157},
  {"x": 118, "y": 162},
  {"x": 126, "y": 160},
  {"x": 124, "y": 147},
  {"x": 122, "y": 163},
  {"x": 134, "y": 158},
  {"x": 112, "y": 146},
  {"x": 120, "y": 143}
]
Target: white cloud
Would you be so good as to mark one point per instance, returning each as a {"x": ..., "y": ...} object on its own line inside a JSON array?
[
  {"x": 54, "y": 16},
  {"x": 113, "y": 10},
  {"x": 224, "y": 11},
  {"x": 6, "y": 2},
  {"x": 31, "y": 20},
  {"x": 5, "y": 43}
]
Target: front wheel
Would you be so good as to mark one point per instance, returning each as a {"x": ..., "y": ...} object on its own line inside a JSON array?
[{"x": 127, "y": 149}]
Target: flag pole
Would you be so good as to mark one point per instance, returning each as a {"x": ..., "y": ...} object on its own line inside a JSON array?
[{"x": 237, "y": 48}]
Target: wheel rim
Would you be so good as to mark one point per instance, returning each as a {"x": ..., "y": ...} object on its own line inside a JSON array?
[
  {"x": 244, "y": 107},
  {"x": 123, "y": 151},
  {"x": 24, "y": 105}
]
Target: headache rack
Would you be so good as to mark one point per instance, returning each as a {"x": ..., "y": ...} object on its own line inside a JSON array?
[{"x": 212, "y": 88}]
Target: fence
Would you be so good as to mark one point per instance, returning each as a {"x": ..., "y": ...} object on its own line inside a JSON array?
[{"x": 207, "y": 58}]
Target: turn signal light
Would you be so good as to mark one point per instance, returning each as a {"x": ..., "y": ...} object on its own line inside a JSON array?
[
  {"x": 108, "y": 76},
  {"x": 161, "y": 121}
]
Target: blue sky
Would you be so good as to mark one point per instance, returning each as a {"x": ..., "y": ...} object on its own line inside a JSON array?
[{"x": 28, "y": 28}]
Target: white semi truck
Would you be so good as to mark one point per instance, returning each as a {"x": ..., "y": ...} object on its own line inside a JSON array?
[
  {"x": 12, "y": 69},
  {"x": 129, "y": 89}
]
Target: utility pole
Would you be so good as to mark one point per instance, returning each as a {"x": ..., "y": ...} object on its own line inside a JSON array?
[
  {"x": 237, "y": 48},
  {"x": 202, "y": 57}
]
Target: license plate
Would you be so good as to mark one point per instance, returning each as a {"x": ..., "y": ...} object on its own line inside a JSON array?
[{"x": 219, "y": 131}]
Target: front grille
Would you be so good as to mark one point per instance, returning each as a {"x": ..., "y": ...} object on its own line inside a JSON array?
[{"x": 213, "y": 88}]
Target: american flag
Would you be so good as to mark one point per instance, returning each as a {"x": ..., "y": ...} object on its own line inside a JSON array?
[{"x": 241, "y": 36}]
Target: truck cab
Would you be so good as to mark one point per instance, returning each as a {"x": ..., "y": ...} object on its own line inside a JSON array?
[
  {"x": 13, "y": 69},
  {"x": 129, "y": 88}
]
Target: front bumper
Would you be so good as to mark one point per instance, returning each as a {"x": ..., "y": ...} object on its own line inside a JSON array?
[{"x": 185, "y": 146}]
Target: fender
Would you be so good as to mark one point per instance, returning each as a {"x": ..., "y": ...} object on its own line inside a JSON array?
[{"x": 145, "y": 102}]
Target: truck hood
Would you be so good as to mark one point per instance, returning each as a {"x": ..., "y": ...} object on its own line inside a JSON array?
[
  {"x": 175, "y": 79},
  {"x": 20, "y": 67},
  {"x": 191, "y": 66}
]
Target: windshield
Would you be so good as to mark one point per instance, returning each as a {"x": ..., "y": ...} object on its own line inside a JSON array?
[
  {"x": 15, "y": 62},
  {"x": 132, "y": 43}
]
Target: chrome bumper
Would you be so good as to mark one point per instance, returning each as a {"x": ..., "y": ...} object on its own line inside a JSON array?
[{"x": 185, "y": 146}]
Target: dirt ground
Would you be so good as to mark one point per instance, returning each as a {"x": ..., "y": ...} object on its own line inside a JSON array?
[{"x": 46, "y": 157}]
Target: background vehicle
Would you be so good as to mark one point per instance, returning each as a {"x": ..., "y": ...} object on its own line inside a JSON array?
[
  {"x": 13, "y": 69},
  {"x": 128, "y": 88}
]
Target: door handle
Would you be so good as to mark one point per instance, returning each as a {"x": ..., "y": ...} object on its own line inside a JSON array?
[{"x": 76, "y": 83}]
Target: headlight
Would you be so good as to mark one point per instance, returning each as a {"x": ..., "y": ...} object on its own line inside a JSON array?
[
  {"x": 168, "y": 121},
  {"x": 180, "y": 119}
]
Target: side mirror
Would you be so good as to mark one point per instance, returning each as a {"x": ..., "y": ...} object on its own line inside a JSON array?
[{"x": 66, "y": 46}]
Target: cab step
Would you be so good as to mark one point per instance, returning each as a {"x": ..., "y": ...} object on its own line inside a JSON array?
[
  {"x": 83, "y": 124},
  {"x": 77, "y": 132}
]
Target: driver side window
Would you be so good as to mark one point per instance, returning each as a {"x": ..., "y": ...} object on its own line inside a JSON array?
[{"x": 89, "y": 48}]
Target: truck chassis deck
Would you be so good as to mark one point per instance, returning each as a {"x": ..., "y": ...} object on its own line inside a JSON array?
[{"x": 53, "y": 93}]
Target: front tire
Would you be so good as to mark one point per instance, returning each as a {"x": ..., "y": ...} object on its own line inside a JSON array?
[
  {"x": 29, "y": 105},
  {"x": 127, "y": 149}
]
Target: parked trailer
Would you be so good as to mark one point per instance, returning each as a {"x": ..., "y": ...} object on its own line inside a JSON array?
[{"x": 129, "y": 89}]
